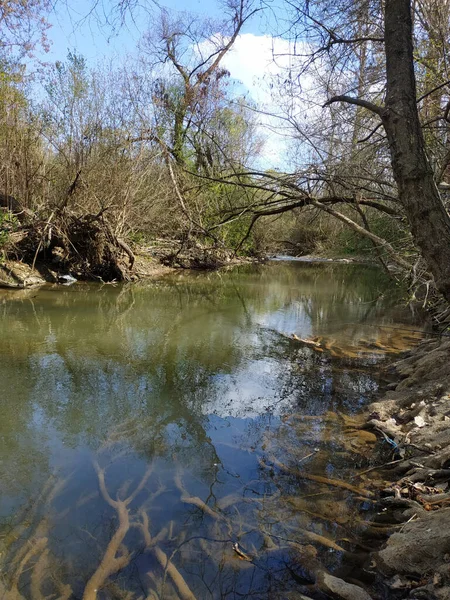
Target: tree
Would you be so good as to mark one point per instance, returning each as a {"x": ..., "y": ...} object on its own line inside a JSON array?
[
  {"x": 337, "y": 41},
  {"x": 412, "y": 171},
  {"x": 194, "y": 49},
  {"x": 23, "y": 25}
]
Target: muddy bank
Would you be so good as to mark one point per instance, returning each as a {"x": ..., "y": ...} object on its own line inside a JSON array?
[
  {"x": 16, "y": 274},
  {"x": 91, "y": 247},
  {"x": 413, "y": 422},
  {"x": 149, "y": 262}
]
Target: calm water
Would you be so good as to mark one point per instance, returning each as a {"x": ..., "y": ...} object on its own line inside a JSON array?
[{"x": 146, "y": 429}]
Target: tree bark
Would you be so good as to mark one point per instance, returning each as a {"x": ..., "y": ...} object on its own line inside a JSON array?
[{"x": 417, "y": 189}]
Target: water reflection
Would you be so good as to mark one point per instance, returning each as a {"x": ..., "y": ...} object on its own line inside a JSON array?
[{"x": 146, "y": 429}]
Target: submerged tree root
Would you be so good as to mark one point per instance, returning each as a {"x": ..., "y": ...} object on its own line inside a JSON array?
[
  {"x": 34, "y": 567},
  {"x": 178, "y": 580},
  {"x": 195, "y": 501}
]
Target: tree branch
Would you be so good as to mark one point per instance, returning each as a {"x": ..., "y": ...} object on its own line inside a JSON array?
[
  {"x": 398, "y": 260},
  {"x": 378, "y": 110}
]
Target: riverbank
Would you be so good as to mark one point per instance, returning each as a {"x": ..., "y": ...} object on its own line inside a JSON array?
[
  {"x": 19, "y": 275},
  {"x": 149, "y": 263},
  {"x": 413, "y": 418}
]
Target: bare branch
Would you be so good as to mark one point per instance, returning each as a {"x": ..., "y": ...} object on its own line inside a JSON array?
[
  {"x": 398, "y": 260},
  {"x": 378, "y": 110}
]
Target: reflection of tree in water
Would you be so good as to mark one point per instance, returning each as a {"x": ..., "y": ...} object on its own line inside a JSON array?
[
  {"x": 127, "y": 528},
  {"x": 187, "y": 550},
  {"x": 126, "y": 373}
]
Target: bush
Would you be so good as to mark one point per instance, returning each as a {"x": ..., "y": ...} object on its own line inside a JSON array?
[{"x": 8, "y": 224}]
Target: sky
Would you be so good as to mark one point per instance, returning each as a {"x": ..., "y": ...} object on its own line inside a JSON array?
[
  {"x": 249, "y": 62},
  {"x": 72, "y": 28}
]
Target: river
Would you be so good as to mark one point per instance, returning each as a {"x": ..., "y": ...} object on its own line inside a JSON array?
[{"x": 171, "y": 439}]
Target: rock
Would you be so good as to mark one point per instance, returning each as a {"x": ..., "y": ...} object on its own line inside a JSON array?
[
  {"x": 66, "y": 279},
  {"x": 419, "y": 421},
  {"x": 399, "y": 583},
  {"x": 419, "y": 548},
  {"x": 17, "y": 275},
  {"x": 338, "y": 588}
]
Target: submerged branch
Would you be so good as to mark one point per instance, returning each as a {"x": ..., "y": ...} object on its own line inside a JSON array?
[
  {"x": 317, "y": 478},
  {"x": 177, "y": 578},
  {"x": 116, "y": 556}
]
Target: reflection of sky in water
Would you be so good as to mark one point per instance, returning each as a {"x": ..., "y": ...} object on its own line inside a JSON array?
[
  {"x": 192, "y": 374},
  {"x": 289, "y": 319},
  {"x": 247, "y": 392},
  {"x": 76, "y": 362}
]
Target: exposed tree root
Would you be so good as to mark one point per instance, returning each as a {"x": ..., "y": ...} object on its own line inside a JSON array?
[{"x": 83, "y": 245}]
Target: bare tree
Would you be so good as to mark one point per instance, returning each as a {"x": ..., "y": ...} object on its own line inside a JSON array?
[{"x": 193, "y": 48}]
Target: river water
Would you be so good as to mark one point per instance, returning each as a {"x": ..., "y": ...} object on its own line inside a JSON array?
[{"x": 171, "y": 439}]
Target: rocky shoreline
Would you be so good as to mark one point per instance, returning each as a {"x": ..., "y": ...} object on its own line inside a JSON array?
[{"x": 414, "y": 418}]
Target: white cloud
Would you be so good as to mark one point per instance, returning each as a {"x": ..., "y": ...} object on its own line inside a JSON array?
[
  {"x": 270, "y": 73},
  {"x": 251, "y": 62},
  {"x": 257, "y": 61}
]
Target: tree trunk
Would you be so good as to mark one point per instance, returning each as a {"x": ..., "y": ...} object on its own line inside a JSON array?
[{"x": 418, "y": 193}]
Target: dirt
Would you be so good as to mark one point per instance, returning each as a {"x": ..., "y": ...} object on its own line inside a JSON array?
[
  {"x": 413, "y": 421},
  {"x": 156, "y": 260},
  {"x": 20, "y": 275}
]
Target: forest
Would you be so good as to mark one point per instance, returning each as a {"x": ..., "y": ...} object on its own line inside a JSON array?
[{"x": 166, "y": 150}]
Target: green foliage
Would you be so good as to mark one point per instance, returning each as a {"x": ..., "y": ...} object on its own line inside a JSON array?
[
  {"x": 8, "y": 224},
  {"x": 233, "y": 234},
  {"x": 137, "y": 237}
]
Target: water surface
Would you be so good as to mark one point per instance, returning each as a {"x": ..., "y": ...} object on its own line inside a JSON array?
[{"x": 147, "y": 429}]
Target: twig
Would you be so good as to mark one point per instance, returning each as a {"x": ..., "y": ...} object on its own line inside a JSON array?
[
  {"x": 408, "y": 521},
  {"x": 392, "y": 462}
]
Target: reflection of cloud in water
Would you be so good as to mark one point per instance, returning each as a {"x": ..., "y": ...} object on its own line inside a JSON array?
[
  {"x": 247, "y": 392},
  {"x": 288, "y": 319},
  {"x": 193, "y": 374}
]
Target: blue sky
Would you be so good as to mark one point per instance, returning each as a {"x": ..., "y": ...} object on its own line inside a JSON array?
[
  {"x": 72, "y": 29},
  {"x": 250, "y": 61}
]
